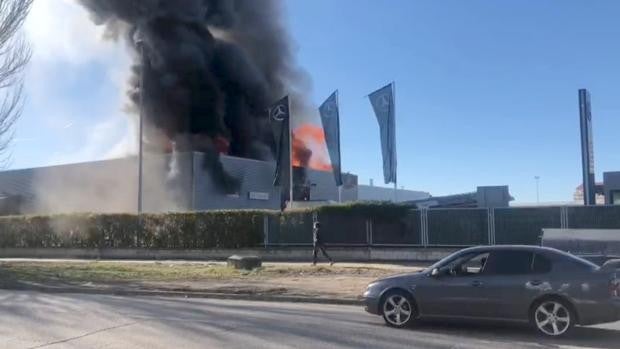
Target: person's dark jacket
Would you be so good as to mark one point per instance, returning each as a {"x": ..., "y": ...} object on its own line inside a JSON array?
[{"x": 316, "y": 233}]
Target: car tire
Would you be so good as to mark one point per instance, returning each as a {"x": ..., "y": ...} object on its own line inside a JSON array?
[
  {"x": 552, "y": 317},
  {"x": 398, "y": 309}
]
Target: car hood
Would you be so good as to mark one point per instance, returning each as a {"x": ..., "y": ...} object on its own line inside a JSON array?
[{"x": 398, "y": 277}]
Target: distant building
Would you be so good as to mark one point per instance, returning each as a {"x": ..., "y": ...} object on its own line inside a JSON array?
[
  {"x": 611, "y": 187},
  {"x": 483, "y": 197},
  {"x": 599, "y": 194},
  {"x": 373, "y": 193},
  {"x": 181, "y": 182}
]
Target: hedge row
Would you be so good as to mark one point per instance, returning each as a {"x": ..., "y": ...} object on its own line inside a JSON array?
[
  {"x": 193, "y": 230},
  {"x": 226, "y": 229}
]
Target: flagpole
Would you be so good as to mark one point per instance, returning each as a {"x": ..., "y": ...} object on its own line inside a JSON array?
[
  {"x": 290, "y": 153},
  {"x": 339, "y": 154},
  {"x": 394, "y": 138}
]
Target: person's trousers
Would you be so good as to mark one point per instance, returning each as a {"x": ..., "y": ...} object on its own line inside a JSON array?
[{"x": 315, "y": 252}]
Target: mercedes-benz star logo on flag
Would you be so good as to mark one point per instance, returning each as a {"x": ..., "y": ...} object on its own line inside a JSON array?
[
  {"x": 278, "y": 112},
  {"x": 384, "y": 101},
  {"x": 330, "y": 108}
]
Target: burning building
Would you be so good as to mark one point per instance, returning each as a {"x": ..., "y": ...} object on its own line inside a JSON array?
[
  {"x": 204, "y": 74},
  {"x": 97, "y": 186},
  {"x": 203, "y": 77}
]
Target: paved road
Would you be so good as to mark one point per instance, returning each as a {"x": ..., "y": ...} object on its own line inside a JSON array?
[{"x": 36, "y": 320}]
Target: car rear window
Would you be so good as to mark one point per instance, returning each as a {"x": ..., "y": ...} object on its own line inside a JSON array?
[{"x": 573, "y": 262}]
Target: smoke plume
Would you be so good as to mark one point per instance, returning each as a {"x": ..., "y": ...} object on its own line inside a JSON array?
[{"x": 206, "y": 71}]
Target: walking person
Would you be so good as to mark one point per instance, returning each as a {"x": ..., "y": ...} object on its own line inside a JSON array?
[{"x": 318, "y": 243}]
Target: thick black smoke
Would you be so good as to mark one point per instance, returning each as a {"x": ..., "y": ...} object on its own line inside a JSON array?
[{"x": 210, "y": 70}]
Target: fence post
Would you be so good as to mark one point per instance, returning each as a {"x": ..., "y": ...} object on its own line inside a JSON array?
[
  {"x": 369, "y": 231},
  {"x": 564, "y": 217},
  {"x": 424, "y": 227},
  {"x": 491, "y": 225},
  {"x": 494, "y": 231},
  {"x": 266, "y": 230}
]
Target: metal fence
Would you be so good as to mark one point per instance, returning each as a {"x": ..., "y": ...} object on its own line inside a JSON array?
[
  {"x": 524, "y": 225},
  {"x": 440, "y": 227}
]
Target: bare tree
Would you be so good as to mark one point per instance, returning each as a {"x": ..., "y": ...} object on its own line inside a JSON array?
[{"x": 14, "y": 55}]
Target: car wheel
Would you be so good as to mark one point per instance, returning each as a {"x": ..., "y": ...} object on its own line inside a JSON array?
[
  {"x": 553, "y": 317},
  {"x": 398, "y": 309}
]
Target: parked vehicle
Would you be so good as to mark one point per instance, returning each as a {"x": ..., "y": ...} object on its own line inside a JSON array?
[{"x": 551, "y": 289}]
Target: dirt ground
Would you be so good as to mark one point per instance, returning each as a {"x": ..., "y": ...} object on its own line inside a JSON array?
[{"x": 343, "y": 280}]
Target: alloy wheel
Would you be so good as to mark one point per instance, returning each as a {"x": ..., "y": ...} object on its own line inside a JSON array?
[
  {"x": 397, "y": 310},
  {"x": 552, "y": 318}
]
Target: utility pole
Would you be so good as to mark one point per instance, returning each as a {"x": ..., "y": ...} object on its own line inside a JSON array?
[{"x": 140, "y": 42}]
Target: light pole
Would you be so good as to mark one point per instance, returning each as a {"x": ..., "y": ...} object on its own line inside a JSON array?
[
  {"x": 537, "y": 178},
  {"x": 140, "y": 43}
]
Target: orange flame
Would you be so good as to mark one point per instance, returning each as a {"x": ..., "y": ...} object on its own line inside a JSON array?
[{"x": 310, "y": 148}]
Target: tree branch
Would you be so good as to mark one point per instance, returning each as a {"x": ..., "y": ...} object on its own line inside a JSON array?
[{"x": 15, "y": 54}]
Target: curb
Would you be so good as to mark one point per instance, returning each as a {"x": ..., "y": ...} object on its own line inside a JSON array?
[{"x": 190, "y": 294}]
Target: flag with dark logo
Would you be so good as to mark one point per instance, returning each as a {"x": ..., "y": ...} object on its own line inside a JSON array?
[
  {"x": 330, "y": 117},
  {"x": 279, "y": 116},
  {"x": 382, "y": 102}
]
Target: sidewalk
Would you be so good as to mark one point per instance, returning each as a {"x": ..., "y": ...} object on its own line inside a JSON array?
[{"x": 342, "y": 283}]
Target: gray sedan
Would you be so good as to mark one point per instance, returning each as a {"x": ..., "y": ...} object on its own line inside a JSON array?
[{"x": 548, "y": 288}]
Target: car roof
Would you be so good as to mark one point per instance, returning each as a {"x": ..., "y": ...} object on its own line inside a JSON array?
[
  {"x": 547, "y": 251},
  {"x": 528, "y": 248}
]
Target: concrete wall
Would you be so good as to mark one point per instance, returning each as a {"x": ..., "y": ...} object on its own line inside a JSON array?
[
  {"x": 372, "y": 193},
  {"x": 269, "y": 254},
  {"x": 99, "y": 186},
  {"x": 171, "y": 183},
  {"x": 325, "y": 189},
  {"x": 176, "y": 182},
  {"x": 255, "y": 177}
]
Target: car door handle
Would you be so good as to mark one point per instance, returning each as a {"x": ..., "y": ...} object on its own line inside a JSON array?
[
  {"x": 477, "y": 283},
  {"x": 535, "y": 282}
]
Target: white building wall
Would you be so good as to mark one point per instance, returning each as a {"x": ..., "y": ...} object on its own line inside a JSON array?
[{"x": 372, "y": 193}]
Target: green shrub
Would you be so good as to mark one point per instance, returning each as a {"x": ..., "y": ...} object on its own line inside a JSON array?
[
  {"x": 217, "y": 229},
  {"x": 189, "y": 230}
]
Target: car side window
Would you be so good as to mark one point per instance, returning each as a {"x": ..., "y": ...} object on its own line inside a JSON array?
[
  {"x": 509, "y": 263},
  {"x": 574, "y": 266},
  {"x": 471, "y": 264},
  {"x": 475, "y": 265},
  {"x": 541, "y": 264},
  {"x": 566, "y": 262}
]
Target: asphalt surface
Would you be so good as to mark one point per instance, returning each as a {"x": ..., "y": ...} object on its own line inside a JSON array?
[{"x": 38, "y": 320}]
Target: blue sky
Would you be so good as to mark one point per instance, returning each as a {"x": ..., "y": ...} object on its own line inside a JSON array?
[{"x": 486, "y": 90}]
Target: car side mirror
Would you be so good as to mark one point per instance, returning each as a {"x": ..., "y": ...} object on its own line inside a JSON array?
[{"x": 435, "y": 272}]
